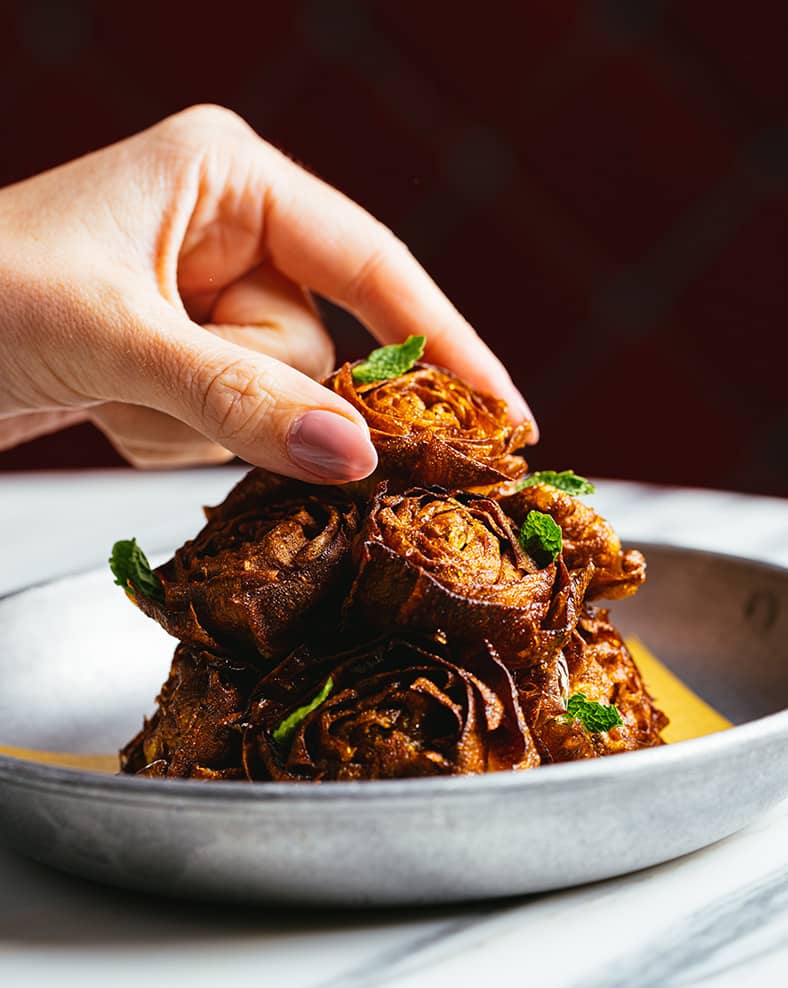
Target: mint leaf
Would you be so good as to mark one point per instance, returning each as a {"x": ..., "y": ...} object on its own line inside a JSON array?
[
  {"x": 596, "y": 718},
  {"x": 565, "y": 480},
  {"x": 389, "y": 361},
  {"x": 541, "y": 538},
  {"x": 132, "y": 570},
  {"x": 290, "y": 723}
]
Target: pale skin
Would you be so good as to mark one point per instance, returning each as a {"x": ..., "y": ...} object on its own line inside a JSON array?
[{"x": 160, "y": 288}]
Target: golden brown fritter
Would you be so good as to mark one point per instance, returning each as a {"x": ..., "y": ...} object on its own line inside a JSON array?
[
  {"x": 429, "y": 427},
  {"x": 587, "y": 538},
  {"x": 275, "y": 554},
  {"x": 430, "y": 560},
  {"x": 420, "y": 640},
  {"x": 597, "y": 663},
  {"x": 397, "y": 708},
  {"x": 195, "y": 732}
]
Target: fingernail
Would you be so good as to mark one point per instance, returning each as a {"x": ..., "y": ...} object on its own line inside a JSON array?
[{"x": 331, "y": 447}]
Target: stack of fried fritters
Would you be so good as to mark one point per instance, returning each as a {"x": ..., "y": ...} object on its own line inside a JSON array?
[{"x": 398, "y": 626}]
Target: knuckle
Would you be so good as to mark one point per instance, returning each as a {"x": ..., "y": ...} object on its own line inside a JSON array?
[
  {"x": 235, "y": 401},
  {"x": 196, "y": 120},
  {"x": 366, "y": 283}
]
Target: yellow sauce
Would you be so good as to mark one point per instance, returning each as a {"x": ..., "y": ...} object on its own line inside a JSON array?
[{"x": 690, "y": 717}]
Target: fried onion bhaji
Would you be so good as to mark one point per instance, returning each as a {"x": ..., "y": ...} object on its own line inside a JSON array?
[
  {"x": 195, "y": 732},
  {"x": 429, "y": 559},
  {"x": 598, "y": 664},
  {"x": 275, "y": 554},
  {"x": 429, "y": 427},
  {"x": 587, "y": 538},
  {"x": 430, "y": 620},
  {"x": 393, "y": 708}
]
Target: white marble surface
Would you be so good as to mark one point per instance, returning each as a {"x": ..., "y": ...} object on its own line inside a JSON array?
[{"x": 717, "y": 917}]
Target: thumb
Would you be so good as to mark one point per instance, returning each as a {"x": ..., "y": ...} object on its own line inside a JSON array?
[{"x": 256, "y": 406}]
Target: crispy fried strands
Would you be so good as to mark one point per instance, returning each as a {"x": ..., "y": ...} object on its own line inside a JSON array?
[
  {"x": 597, "y": 663},
  {"x": 423, "y": 640},
  {"x": 431, "y": 428},
  {"x": 273, "y": 555},
  {"x": 195, "y": 732},
  {"x": 587, "y": 538},
  {"x": 429, "y": 559},
  {"x": 398, "y": 708}
]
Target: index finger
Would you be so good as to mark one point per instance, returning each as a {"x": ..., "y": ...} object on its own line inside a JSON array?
[{"x": 322, "y": 239}]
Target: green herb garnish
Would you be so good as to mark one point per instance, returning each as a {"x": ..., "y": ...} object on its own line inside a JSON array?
[
  {"x": 596, "y": 718},
  {"x": 290, "y": 723},
  {"x": 565, "y": 480},
  {"x": 132, "y": 570},
  {"x": 389, "y": 361},
  {"x": 541, "y": 538}
]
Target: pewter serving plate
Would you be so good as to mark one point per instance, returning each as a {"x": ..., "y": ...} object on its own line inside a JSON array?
[{"x": 79, "y": 667}]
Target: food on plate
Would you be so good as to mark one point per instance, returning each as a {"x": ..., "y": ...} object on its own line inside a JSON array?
[
  {"x": 435, "y": 619},
  {"x": 274, "y": 556},
  {"x": 597, "y": 669},
  {"x": 429, "y": 559},
  {"x": 392, "y": 708},
  {"x": 429, "y": 427},
  {"x": 586, "y": 538},
  {"x": 193, "y": 733}
]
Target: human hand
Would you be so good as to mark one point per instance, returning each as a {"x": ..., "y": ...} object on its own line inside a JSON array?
[{"x": 161, "y": 287}]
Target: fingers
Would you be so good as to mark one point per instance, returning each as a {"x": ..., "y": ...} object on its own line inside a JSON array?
[
  {"x": 266, "y": 312},
  {"x": 150, "y": 440},
  {"x": 251, "y": 404},
  {"x": 254, "y": 204},
  {"x": 320, "y": 238}
]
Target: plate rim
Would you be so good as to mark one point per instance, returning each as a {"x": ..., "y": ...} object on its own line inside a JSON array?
[{"x": 580, "y": 775}]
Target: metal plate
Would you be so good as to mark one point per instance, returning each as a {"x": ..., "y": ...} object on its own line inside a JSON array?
[{"x": 79, "y": 666}]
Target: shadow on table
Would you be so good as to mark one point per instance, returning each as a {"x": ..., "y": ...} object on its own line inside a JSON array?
[{"x": 41, "y": 906}]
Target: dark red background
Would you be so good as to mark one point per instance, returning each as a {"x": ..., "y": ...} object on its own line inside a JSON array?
[{"x": 600, "y": 187}]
